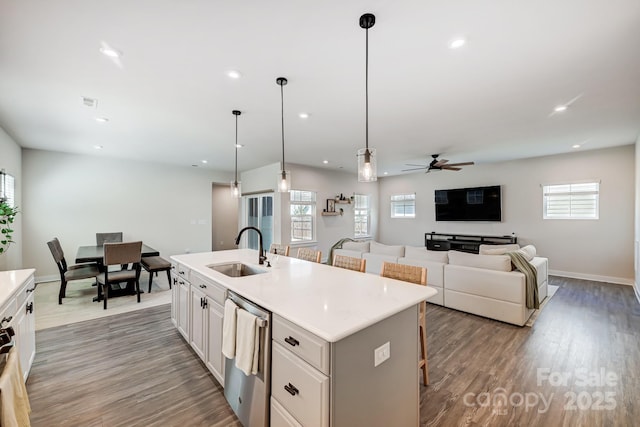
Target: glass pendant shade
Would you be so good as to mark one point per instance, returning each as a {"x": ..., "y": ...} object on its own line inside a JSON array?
[
  {"x": 284, "y": 181},
  {"x": 236, "y": 189},
  {"x": 367, "y": 168}
]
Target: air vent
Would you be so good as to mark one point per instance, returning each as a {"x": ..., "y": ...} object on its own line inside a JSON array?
[{"x": 89, "y": 102}]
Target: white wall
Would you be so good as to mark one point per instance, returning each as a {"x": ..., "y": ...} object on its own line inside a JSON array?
[
  {"x": 11, "y": 162},
  {"x": 224, "y": 217},
  {"x": 74, "y": 196},
  {"x": 594, "y": 249},
  {"x": 637, "y": 222},
  {"x": 326, "y": 183}
]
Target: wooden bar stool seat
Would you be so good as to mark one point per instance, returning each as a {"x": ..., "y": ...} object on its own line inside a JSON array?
[{"x": 154, "y": 264}]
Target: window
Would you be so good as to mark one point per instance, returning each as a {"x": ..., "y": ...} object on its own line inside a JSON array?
[
  {"x": 303, "y": 215},
  {"x": 403, "y": 206},
  {"x": 571, "y": 201},
  {"x": 7, "y": 189},
  {"x": 362, "y": 215}
]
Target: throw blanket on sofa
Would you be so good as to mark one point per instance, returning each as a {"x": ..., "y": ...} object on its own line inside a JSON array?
[
  {"x": 337, "y": 245},
  {"x": 531, "y": 279}
]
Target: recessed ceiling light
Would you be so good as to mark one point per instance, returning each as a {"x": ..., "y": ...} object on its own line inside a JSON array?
[
  {"x": 110, "y": 52},
  {"x": 386, "y": 173},
  {"x": 303, "y": 115},
  {"x": 102, "y": 119},
  {"x": 204, "y": 162},
  {"x": 98, "y": 147},
  {"x": 457, "y": 43},
  {"x": 325, "y": 161},
  {"x": 239, "y": 145},
  {"x": 575, "y": 146},
  {"x": 234, "y": 74},
  {"x": 560, "y": 108}
]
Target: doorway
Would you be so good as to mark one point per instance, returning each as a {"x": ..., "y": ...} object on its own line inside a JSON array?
[
  {"x": 258, "y": 210},
  {"x": 224, "y": 218}
]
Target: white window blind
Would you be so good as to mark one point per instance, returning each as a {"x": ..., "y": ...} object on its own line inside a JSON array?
[
  {"x": 571, "y": 201},
  {"x": 7, "y": 189},
  {"x": 362, "y": 215},
  {"x": 403, "y": 206},
  {"x": 303, "y": 215}
]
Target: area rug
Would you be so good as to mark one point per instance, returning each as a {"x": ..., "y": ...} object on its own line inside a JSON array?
[
  {"x": 551, "y": 291},
  {"x": 78, "y": 305}
]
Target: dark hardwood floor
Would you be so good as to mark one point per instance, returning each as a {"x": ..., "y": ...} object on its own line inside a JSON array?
[{"x": 579, "y": 365}]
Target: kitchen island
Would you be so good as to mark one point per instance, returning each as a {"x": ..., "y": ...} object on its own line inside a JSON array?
[{"x": 345, "y": 344}]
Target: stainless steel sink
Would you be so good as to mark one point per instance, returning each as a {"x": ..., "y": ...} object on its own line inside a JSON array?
[{"x": 236, "y": 269}]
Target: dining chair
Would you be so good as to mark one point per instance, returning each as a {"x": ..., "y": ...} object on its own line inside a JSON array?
[
  {"x": 155, "y": 264},
  {"x": 102, "y": 238},
  {"x": 417, "y": 275},
  {"x": 309, "y": 254},
  {"x": 350, "y": 263},
  {"x": 69, "y": 273},
  {"x": 120, "y": 254},
  {"x": 279, "y": 249}
]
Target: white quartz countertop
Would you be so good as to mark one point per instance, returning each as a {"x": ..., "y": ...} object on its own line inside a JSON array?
[
  {"x": 327, "y": 301},
  {"x": 10, "y": 281}
]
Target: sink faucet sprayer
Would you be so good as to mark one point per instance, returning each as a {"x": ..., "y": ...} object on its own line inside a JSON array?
[{"x": 261, "y": 254}]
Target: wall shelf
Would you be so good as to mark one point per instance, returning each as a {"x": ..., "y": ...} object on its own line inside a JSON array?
[
  {"x": 325, "y": 213},
  {"x": 463, "y": 242}
]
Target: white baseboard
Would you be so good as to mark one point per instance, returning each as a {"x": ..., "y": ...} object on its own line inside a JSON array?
[
  {"x": 594, "y": 277},
  {"x": 637, "y": 291}
]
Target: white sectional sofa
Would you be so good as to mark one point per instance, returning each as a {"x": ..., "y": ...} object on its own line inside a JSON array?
[{"x": 483, "y": 284}]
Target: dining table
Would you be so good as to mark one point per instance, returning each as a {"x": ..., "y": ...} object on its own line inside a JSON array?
[{"x": 95, "y": 253}]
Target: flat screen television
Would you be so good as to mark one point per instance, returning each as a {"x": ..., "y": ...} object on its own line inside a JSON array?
[{"x": 469, "y": 204}]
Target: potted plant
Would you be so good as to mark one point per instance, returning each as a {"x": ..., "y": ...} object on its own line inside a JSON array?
[{"x": 7, "y": 216}]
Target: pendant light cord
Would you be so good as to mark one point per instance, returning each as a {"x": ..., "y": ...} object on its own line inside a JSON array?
[
  {"x": 282, "y": 115},
  {"x": 236, "y": 178},
  {"x": 366, "y": 90}
]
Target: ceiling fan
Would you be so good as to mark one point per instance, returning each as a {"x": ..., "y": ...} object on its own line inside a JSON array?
[{"x": 438, "y": 165}]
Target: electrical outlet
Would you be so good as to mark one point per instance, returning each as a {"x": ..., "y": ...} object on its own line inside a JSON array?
[{"x": 381, "y": 353}]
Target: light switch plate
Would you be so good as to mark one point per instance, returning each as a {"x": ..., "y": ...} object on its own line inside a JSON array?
[{"x": 381, "y": 353}]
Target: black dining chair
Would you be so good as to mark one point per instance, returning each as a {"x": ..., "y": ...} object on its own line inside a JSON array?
[
  {"x": 119, "y": 254},
  {"x": 69, "y": 273}
]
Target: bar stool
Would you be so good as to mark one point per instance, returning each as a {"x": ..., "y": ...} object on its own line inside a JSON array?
[{"x": 154, "y": 264}]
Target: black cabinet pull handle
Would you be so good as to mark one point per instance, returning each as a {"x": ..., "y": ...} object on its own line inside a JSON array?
[
  {"x": 292, "y": 341},
  {"x": 291, "y": 389},
  {"x": 204, "y": 303},
  {"x": 181, "y": 272},
  {"x": 203, "y": 286},
  {"x": 6, "y": 319},
  {"x": 30, "y": 307},
  {"x": 201, "y": 303},
  {"x": 181, "y": 282},
  {"x": 175, "y": 280},
  {"x": 31, "y": 290}
]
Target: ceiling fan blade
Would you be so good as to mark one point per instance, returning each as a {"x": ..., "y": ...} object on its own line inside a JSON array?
[
  {"x": 451, "y": 168},
  {"x": 461, "y": 164},
  {"x": 440, "y": 162},
  {"x": 411, "y": 164},
  {"x": 414, "y": 169}
]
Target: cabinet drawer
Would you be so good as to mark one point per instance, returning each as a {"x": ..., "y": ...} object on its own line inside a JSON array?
[
  {"x": 213, "y": 290},
  {"x": 280, "y": 417},
  {"x": 180, "y": 270},
  {"x": 25, "y": 291},
  {"x": 309, "y": 347},
  {"x": 302, "y": 390},
  {"x": 8, "y": 311}
]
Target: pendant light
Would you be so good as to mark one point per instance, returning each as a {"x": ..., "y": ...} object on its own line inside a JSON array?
[
  {"x": 284, "y": 176},
  {"x": 235, "y": 185},
  {"x": 367, "y": 170}
]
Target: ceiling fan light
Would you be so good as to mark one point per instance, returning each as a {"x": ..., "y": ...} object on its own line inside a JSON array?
[
  {"x": 284, "y": 181},
  {"x": 236, "y": 188},
  {"x": 284, "y": 176},
  {"x": 367, "y": 165}
]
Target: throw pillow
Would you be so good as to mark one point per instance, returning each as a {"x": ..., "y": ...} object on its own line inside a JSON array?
[
  {"x": 489, "y": 262},
  {"x": 356, "y": 246},
  {"x": 497, "y": 249},
  {"x": 379, "y": 248},
  {"x": 421, "y": 253}
]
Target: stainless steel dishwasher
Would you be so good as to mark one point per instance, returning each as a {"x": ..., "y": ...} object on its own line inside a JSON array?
[{"x": 249, "y": 395}]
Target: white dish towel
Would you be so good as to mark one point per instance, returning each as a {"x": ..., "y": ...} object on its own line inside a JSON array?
[
  {"x": 229, "y": 329},
  {"x": 247, "y": 343}
]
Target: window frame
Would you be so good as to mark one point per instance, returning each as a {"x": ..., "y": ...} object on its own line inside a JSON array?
[
  {"x": 575, "y": 195},
  {"x": 357, "y": 215},
  {"x": 403, "y": 200},
  {"x": 312, "y": 214}
]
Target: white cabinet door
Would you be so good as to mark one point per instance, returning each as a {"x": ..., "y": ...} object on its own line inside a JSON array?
[
  {"x": 215, "y": 359},
  {"x": 25, "y": 328},
  {"x": 198, "y": 322},
  {"x": 175, "y": 298},
  {"x": 183, "y": 307}
]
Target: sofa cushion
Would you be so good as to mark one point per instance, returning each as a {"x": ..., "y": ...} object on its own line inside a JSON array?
[
  {"x": 374, "y": 261},
  {"x": 489, "y": 262},
  {"x": 435, "y": 269},
  {"x": 498, "y": 249},
  {"x": 356, "y": 246},
  {"x": 379, "y": 248},
  {"x": 528, "y": 251},
  {"x": 421, "y": 253}
]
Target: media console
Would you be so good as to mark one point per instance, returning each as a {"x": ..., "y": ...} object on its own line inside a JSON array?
[{"x": 463, "y": 242}]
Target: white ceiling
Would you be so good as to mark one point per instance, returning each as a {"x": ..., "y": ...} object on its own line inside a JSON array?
[{"x": 170, "y": 100}]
